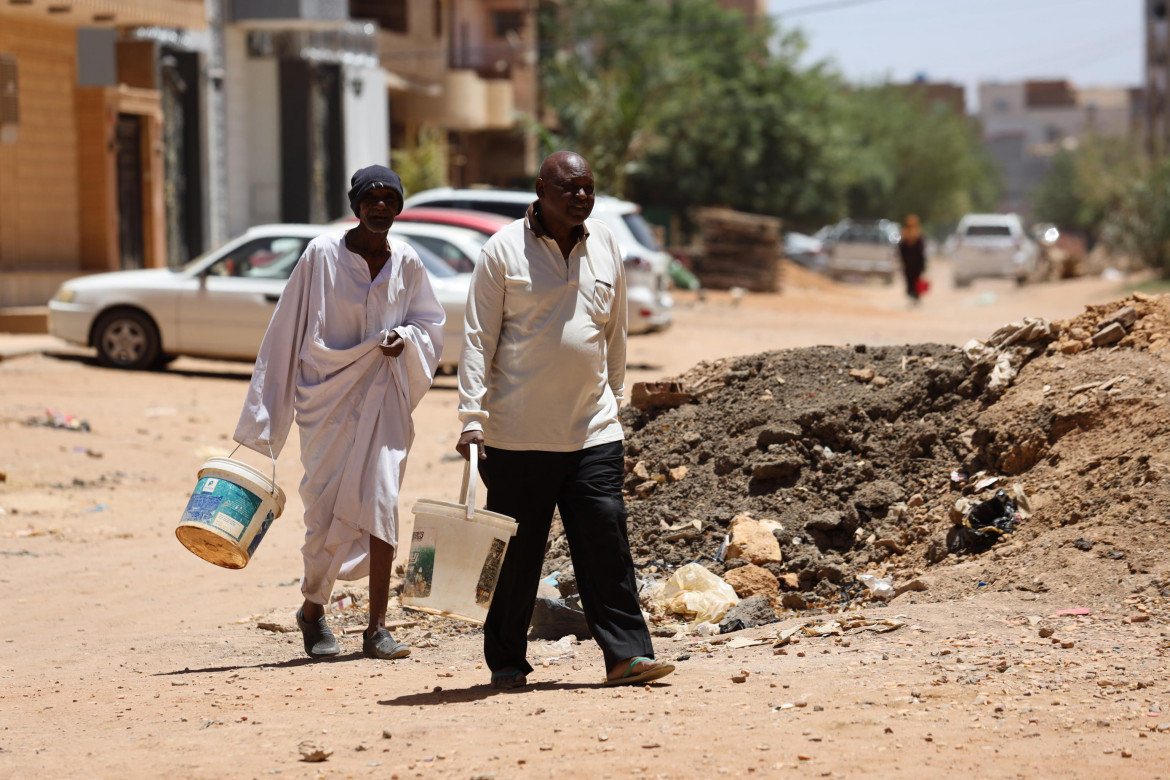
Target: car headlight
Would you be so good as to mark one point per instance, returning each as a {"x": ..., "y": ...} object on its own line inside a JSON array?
[{"x": 65, "y": 295}]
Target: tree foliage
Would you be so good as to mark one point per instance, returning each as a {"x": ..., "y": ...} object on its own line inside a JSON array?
[
  {"x": 1141, "y": 223},
  {"x": 424, "y": 165},
  {"x": 682, "y": 103},
  {"x": 1087, "y": 184}
]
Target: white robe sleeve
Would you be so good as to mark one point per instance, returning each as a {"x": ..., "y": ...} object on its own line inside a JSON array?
[
  {"x": 422, "y": 330},
  {"x": 483, "y": 320},
  {"x": 615, "y": 333},
  {"x": 268, "y": 408}
]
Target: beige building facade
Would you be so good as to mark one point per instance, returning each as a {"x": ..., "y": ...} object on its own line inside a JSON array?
[{"x": 68, "y": 152}]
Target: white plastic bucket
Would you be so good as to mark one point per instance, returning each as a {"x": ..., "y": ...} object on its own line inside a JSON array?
[
  {"x": 455, "y": 554},
  {"x": 229, "y": 511}
]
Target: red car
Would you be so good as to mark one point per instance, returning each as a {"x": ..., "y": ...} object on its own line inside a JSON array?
[{"x": 479, "y": 221}]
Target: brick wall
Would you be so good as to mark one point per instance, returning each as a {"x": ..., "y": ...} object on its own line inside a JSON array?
[{"x": 39, "y": 187}]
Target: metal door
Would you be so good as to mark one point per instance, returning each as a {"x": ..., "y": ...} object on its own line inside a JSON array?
[{"x": 131, "y": 247}]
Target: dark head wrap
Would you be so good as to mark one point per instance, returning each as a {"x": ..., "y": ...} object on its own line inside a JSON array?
[{"x": 372, "y": 177}]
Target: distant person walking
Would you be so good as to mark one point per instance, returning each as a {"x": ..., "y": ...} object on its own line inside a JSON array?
[
  {"x": 352, "y": 347},
  {"x": 912, "y": 250},
  {"x": 540, "y": 378}
]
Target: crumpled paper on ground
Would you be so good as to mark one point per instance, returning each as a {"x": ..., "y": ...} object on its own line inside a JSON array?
[
  {"x": 1005, "y": 350},
  {"x": 697, "y": 595},
  {"x": 851, "y": 624}
]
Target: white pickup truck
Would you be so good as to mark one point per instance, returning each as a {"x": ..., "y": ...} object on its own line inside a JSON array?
[{"x": 992, "y": 246}]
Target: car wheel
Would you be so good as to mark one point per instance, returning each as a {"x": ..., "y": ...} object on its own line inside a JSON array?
[{"x": 126, "y": 338}]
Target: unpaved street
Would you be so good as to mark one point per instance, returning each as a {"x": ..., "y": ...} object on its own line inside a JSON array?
[{"x": 125, "y": 656}]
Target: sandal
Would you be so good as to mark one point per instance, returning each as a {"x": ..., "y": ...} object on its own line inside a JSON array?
[
  {"x": 510, "y": 678},
  {"x": 656, "y": 670}
]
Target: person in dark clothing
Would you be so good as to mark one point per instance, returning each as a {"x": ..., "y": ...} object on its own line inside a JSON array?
[{"x": 912, "y": 250}]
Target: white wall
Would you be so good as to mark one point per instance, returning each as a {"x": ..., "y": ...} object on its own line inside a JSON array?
[
  {"x": 365, "y": 118},
  {"x": 252, "y": 97}
]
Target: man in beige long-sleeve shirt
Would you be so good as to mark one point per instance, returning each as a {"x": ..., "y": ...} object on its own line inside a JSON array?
[{"x": 540, "y": 378}]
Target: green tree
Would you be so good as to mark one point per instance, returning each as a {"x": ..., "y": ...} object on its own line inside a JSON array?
[
  {"x": 424, "y": 165},
  {"x": 1086, "y": 185},
  {"x": 907, "y": 156},
  {"x": 1141, "y": 223},
  {"x": 682, "y": 103}
]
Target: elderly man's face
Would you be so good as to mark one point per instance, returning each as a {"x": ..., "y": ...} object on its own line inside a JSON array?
[
  {"x": 377, "y": 209},
  {"x": 566, "y": 195}
]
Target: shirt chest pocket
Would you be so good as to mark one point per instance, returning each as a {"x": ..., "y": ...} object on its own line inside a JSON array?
[{"x": 602, "y": 304}]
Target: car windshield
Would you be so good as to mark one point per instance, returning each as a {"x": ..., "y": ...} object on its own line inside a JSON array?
[
  {"x": 641, "y": 230},
  {"x": 988, "y": 230}
]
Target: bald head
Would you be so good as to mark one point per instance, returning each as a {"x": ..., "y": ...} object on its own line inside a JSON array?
[
  {"x": 565, "y": 191},
  {"x": 559, "y": 163}
]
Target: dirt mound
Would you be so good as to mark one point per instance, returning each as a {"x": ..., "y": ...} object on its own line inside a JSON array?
[{"x": 857, "y": 457}]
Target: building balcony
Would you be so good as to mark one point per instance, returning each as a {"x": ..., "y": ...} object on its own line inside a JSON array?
[
  {"x": 182, "y": 14},
  {"x": 466, "y": 102},
  {"x": 288, "y": 14}
]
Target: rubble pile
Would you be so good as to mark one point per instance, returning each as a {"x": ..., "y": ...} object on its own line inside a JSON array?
[{"x": 791, "y": 473}]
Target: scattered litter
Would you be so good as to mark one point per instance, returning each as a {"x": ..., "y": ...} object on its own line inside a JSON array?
[
  {"x": 984, "y": 524},
  {"x": 878, "y": 587},
  {"x": 557, "y": 618},
  {"x": 697, "y": 595},
  {"x": 839, "y": 627},
  {"x": 312, "y": 751},
  {"x": 743, "y": 641},
  {"x": 985, "y": 483},
  {"x": 275, "y": 628},
  {"x": 97, "y": 508},
  {"x": 55, "y": 419},
  {"x": 686, "y": 529}
]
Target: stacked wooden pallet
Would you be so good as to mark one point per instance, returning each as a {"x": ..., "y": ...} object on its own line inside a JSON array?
[{"x": 739, "y": 250}]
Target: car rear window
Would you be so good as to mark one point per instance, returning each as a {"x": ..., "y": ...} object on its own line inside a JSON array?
[
  {"x": 641, "y": 230},
  {"x": 988, "y": 230}
]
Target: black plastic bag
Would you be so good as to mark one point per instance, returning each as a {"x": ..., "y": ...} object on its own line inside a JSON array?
[{"x": 555, "y": 618}]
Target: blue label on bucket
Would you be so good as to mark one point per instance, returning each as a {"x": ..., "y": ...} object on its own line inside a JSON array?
[
  {"x": 260, "y": 534},
  {"x": 223, "y": 505}
]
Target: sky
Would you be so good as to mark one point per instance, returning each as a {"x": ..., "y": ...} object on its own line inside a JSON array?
[{"x": 1092, "y": 43}]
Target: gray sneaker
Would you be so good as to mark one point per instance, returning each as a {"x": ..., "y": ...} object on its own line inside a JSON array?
[
  {"x": 382, "y": 645},
  {"x": 319, "y": 640}
]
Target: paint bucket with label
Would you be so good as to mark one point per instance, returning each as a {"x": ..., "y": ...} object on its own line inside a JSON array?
[
  {"x": 455, "y": 554},
  {"x": 229, "y": 511}
]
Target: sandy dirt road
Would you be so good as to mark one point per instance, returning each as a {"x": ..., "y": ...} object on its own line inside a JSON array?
[{"x": 123, "y": 656}]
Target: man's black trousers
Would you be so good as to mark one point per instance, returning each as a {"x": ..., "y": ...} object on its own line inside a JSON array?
[{"x": 586, "y": 486}]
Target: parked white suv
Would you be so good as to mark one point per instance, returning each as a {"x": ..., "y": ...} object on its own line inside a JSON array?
[
  {"x": 647, "y": 265},
  {"x": 992, "y": 246}
]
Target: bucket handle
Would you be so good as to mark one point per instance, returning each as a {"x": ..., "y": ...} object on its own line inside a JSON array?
[
  {"x": 241, "y": 444},
  {"x": 467, "y": 493}
]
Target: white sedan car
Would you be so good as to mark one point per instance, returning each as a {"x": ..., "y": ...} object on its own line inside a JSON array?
[{"x": 215, "y": 306}]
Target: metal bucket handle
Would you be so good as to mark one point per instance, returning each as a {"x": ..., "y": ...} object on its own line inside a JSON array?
[
  {"x": 273, "y": 463},
  {"x": 467, "y": 493}
]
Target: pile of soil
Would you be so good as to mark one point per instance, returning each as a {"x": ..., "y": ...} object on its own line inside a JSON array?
[{"x": 858, "y": 457}]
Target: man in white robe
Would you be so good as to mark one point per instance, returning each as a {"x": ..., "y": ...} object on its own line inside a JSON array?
[{"x": 351, "y": 349}]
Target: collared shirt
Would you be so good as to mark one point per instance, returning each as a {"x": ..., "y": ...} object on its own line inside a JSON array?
[{"x": 544, "y": 346}]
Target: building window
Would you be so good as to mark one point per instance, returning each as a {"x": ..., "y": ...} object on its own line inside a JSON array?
[
  {"x": 505, "y": 22},
  {"x": 438, "y": 18},
  {"x": 388, "y": 14},
  {"x": 1002, "y": 106},
  {"x": 9, "y": 94}
]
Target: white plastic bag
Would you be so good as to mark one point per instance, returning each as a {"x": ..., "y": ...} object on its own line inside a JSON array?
[
  {"x": 697, "y": 595},
  {"x": 879, "y": 587}
]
